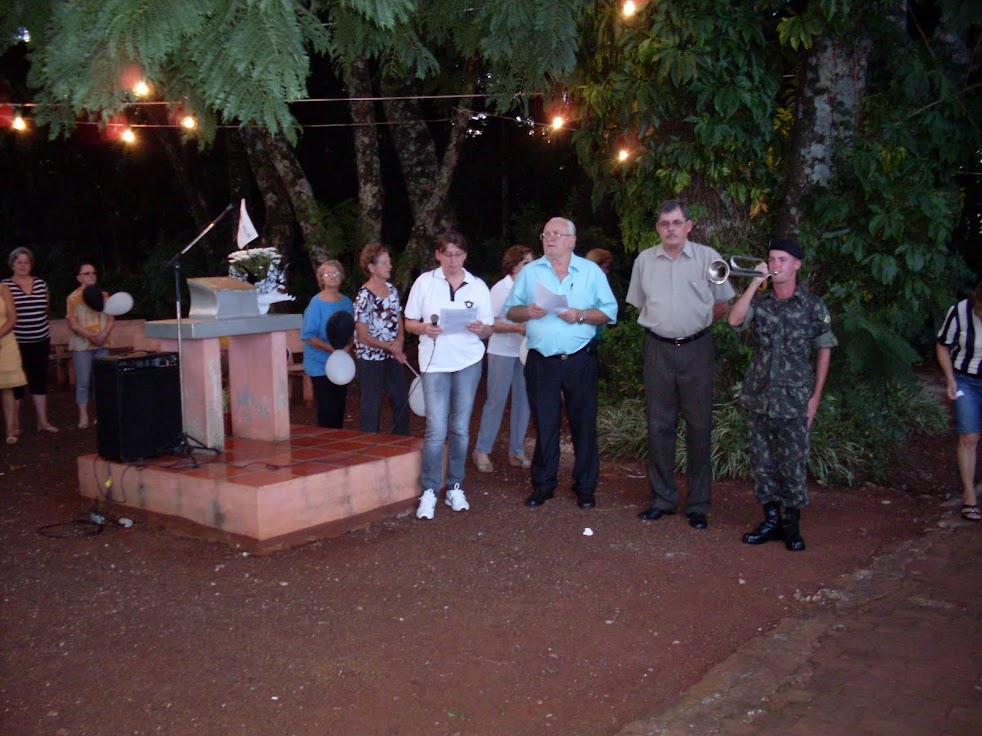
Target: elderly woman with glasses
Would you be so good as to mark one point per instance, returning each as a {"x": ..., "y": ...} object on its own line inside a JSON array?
[
  {"x": 90, "y": 330},
  {"x": 450, "y": 354},
  {"x": 31, "y": 300},
  {"x": 327, "y": 308}
]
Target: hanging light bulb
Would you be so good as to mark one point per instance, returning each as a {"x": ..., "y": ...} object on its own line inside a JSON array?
[
  {"x": 128, "y": 136},
  {"x": 629, "y": 8},
  {"x": 141, "y": 89},
  {"x": 188, "y": 122},
  {"x": 623, "y": 155},
  {"x": 558, "y": 122},
  {"x": 19, "y": 123}
]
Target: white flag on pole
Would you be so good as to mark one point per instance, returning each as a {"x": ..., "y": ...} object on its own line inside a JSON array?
[{"x": 247, "y": 232}]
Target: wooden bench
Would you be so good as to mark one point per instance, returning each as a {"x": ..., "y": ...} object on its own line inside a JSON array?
[{"x": 295, "y": 375}]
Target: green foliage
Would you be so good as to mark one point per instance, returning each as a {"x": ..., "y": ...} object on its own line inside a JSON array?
[
  {"x": 867, "y": 348},
  {"x": 621, "y": 357},
  {"x": 691, "y": 89},
  {"x": 704, "y": 94},
  {"x": 234, "y": 61}
]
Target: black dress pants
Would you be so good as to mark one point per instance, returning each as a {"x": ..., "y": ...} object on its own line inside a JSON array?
[{"x": 552, "y": 382}]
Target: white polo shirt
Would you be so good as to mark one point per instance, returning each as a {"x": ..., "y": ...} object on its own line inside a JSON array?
[{"x": 430, "y": 294}]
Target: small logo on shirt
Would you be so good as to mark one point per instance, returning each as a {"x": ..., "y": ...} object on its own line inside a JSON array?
[{"x": 468, "y": 304}]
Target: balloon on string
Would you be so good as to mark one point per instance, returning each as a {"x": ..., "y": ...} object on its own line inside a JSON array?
[
  {"x": 340, "y": 329},
  {"x": 94, "y": 297},
  {"x": 340, "y": 368},
  {"x": 118, "y": 304},
  {"x": 417, "y": 402},
  {"x": 523, "y": 350}
]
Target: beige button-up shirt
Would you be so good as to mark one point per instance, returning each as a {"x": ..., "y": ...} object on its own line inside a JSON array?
[{"x": 676, "y": 297}]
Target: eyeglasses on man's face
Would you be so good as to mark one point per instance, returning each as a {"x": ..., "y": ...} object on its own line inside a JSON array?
[
  {"x": 452, "y": 253},
  {"x": 331, "y": 274},
  {"x": 551, "y": 235}
]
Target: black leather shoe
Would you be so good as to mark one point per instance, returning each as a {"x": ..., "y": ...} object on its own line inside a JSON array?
[
  {"x": 538, "y": 498},
  {"x": 587, "y": 501},
  {"x": 653, "y": 514},
  {"x": 698, "y": 521}
]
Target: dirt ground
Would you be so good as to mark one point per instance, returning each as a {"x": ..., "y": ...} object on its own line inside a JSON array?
[{"x": 500, "y": 620}]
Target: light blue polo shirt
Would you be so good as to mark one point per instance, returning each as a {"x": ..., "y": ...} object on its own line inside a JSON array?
[{"x": 585, "y": 287}]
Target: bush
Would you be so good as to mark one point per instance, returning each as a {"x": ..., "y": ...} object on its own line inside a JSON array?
[{"x": 859, "y": 432}]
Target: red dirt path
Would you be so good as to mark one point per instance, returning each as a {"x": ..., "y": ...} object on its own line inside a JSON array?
[{"x": 501, "y": 620}]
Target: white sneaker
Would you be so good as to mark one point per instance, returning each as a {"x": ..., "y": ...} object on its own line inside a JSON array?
[
  {"x": 456, "y": 498},
  {"x": 427, "y": 504}
]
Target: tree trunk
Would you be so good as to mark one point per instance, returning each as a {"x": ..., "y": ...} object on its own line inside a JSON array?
[
  {"x": 277, "y": 231},
  {"x": 306, "y": 211},
  {"x": 832, "y": 85},
  {"x": 371, "y": 194},
  {"x": 427, "y": 179}
]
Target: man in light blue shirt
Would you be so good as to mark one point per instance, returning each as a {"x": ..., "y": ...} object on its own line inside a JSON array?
[{"x": 561, "y": 367}]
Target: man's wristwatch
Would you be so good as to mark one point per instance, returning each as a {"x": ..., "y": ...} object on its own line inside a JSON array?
[{"x": 582, "y": 316}]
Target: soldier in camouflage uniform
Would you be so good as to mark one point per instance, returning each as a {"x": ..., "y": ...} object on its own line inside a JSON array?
[{"x": 780, "y": 391}]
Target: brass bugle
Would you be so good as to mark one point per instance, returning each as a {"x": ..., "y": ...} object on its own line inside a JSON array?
[{"x": 720, "y": 271}]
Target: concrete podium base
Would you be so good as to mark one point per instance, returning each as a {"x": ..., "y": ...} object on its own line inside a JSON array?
[{"x": 267, "y": 496}]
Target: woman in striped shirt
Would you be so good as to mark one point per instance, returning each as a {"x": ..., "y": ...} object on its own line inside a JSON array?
[
  {"x": 959, "y": 351},
  {"x": 31, "y": 300}
]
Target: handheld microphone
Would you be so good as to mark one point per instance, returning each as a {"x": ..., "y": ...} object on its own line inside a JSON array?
[{"x": 434, "y": 319}]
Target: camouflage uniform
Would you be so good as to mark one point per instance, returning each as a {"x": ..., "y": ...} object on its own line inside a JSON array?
[{"x": 777, "y": 388}]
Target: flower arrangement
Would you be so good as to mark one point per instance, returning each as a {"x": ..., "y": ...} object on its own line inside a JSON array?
[
  {"x": 263, "y": 268},
  {"x": 256, "y": 265}
]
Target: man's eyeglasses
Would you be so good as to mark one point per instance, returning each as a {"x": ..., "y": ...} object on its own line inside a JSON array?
[
  {"x": 332, "y": 274},
  {"x": 552, "y": 235},
  {"x": 673, "y": 223},
  {"x": 452, "y": 253}
]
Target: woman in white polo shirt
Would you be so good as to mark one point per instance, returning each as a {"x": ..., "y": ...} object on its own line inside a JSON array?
[{"x": 450, "y": 363}]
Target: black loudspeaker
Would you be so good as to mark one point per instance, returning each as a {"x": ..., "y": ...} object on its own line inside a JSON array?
[{"x": 138, "y": 405}]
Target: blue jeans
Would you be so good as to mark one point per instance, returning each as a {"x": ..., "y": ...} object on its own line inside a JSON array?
[
  {"x": 449, "y": 401},
  {"x": 968, "y": 406},
  {"x": 504, "y": 374},
  {"x": 82, "y": 362}
]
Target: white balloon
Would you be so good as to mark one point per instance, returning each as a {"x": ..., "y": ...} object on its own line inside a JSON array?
[
  {"x": 340, "y": 368},
  {"x": 118, "y": 304},
  {"x": 417, "y": 402},
  {"x": 523, "y": 350}
]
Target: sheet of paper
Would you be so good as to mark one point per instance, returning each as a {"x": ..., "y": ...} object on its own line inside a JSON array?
[
  {"x": 456, "y": 320},
  {"x": 550, "y": 300}
]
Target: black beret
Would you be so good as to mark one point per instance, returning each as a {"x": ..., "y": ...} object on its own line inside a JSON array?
[{"x": 788, "y": 246}]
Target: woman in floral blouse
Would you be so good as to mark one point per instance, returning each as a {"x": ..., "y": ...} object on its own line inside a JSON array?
[{"x": 379, "y": 337}]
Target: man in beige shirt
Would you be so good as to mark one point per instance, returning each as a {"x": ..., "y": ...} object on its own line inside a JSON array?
[{"x": 678, "y": 304}]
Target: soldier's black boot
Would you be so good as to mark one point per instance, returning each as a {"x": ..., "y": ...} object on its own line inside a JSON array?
[
  {"x": 792, "y": 530},
  {"x": 769, "y": 529}
]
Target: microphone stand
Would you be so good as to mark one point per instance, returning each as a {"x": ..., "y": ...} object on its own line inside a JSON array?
[{"x": 187, "y": 445}]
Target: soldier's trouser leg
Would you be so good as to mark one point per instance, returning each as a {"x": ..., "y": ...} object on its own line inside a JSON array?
[{"x": 779, "y": 453}]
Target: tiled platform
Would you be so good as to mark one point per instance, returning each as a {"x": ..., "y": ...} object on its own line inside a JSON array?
[{"x": 268, "y": 495}]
